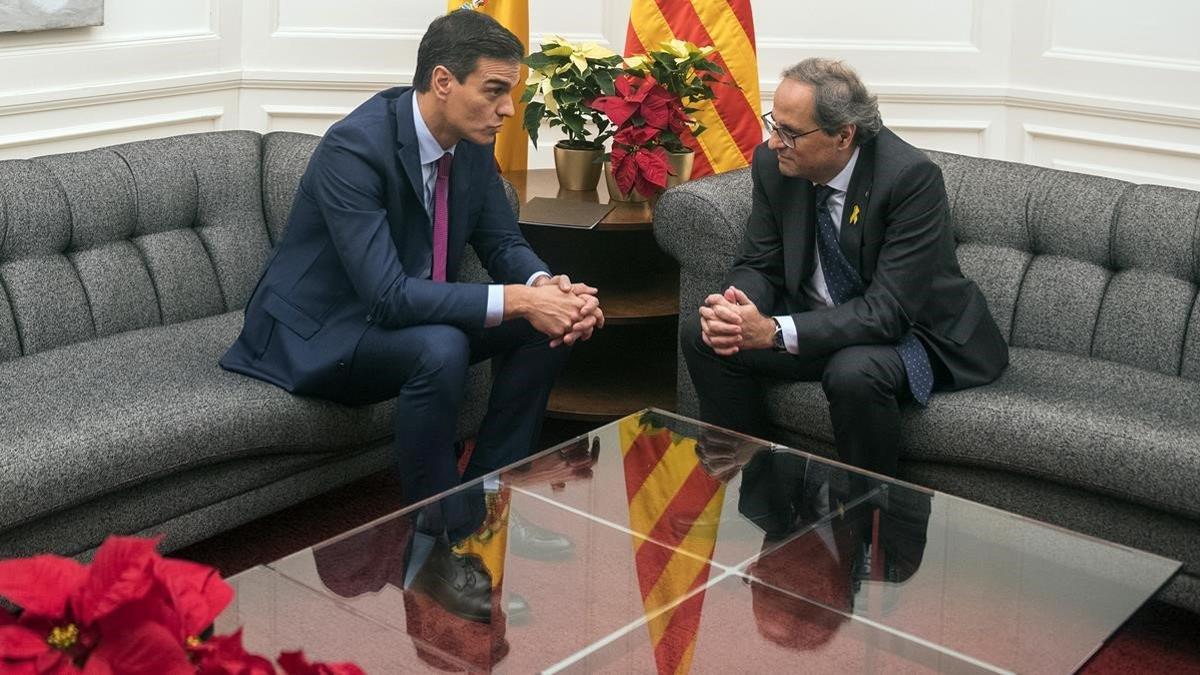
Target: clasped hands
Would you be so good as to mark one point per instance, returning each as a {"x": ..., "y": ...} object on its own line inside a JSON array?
[
  {"x": 730, "y": 322},
  {"x": 565, "y": 311}
]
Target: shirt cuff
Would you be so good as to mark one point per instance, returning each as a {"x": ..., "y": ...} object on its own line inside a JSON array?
[
  {"x": 533, "y": 277},
  {"x": 495, "y": 306},
  {"x": 787, "y": 326}
]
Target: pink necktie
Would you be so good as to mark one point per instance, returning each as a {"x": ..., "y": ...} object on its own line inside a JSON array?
[{"x": 441, "y": 217}]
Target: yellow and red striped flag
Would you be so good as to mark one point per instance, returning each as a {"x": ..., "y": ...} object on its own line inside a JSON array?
[
  {"x": 673, "y": 501},
  {"x": 733, "y": 126},
  {"x": 512, "y": 143}
]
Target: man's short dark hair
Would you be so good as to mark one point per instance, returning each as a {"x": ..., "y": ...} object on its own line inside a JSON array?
[{"x": 458, "y": 40}]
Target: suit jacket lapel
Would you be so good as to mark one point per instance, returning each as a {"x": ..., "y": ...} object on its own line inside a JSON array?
[
  {"x": 857, "y": 196},
  {"x": 407, "y": 149}
]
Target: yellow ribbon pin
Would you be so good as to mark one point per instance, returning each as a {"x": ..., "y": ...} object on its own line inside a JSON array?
[{"x": 854, "y": 215}]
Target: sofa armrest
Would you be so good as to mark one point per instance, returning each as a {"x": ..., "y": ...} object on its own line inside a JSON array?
[{"x": 701, "y": 224}]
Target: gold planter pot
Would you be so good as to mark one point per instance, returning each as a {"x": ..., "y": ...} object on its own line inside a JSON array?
[
  {"x": 577, "y": 169},
  {"x": 680, "y": 164}
]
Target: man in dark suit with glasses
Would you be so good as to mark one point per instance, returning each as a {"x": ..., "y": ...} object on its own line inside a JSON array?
[{"x": 847, "y": 276}]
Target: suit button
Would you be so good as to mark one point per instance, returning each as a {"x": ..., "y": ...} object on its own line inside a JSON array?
[
  {"x": 341, "y": 364},
  {"x": 370, "y": 318}
]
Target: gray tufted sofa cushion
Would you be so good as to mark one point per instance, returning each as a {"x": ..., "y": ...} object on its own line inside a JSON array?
[{"x": 123, "y": 275}]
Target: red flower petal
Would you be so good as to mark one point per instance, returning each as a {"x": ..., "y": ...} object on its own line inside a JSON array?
[
  {"x": 625, "y": 170},
  {"x": 294, "y": 663},
  {"x": 651, "y": 171},
  {"x": 636, "y": 136},
  {"x": 147, "y": 647},
  {"x": 197, "y": 592},
  {"x": 224, "y": 655},
  {"x": 54, "y": 662},
  {"x": 19, "y": 643},
  {"x": 616, "y": 108},
  {"x": 42, "y": 584},
  {"x": 121, "y": 572}
]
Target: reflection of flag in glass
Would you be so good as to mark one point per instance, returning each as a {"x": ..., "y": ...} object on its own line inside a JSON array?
[
  {"x": 512, "y": 144},
  {"x": 733, "y": 126},
  {"x": 673, "y": 501}
]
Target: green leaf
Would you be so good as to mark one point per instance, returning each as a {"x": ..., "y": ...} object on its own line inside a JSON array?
[
  {"x": 528, "y": 94},
  {"x": 558, "y": 82},
  {"x": 533, "y": 120},
  {"x": 537, "y": 60},
  {"x": 604, "y": 79},
  {"x": 568, "y": 97}
]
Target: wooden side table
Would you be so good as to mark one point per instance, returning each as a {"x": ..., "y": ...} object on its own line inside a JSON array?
[{"x": 630, "y": 364}]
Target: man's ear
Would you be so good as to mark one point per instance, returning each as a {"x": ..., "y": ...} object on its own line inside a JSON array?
[
  {"x": 440, "y": 81},
  {"x": 846, "y": 136}
]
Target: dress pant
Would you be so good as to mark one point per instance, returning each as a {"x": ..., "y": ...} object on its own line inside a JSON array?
[
  {"x": 425, "y": 369},
  {"x": 865, "y": 385}
]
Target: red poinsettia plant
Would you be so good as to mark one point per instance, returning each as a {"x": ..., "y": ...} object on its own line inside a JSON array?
[
  {"x": 642, "y": 109},
  {"x": 129, "y": 611}
]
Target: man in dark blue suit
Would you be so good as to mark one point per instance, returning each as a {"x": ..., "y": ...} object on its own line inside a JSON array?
[{"x": 359, "y": 302}]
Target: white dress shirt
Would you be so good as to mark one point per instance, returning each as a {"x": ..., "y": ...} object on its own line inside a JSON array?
[
  {"x": 432, "y": 151},
  {"x": 814, "y": 286}
]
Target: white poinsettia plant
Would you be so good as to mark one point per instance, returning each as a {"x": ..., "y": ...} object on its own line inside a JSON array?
[{"x": 563, "y": 80}]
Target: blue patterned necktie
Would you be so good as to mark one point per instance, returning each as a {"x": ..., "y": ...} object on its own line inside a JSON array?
[{"x": 844, "y": 284}]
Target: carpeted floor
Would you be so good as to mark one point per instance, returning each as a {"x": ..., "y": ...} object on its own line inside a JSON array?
[{"x": 1158, "y": 638}]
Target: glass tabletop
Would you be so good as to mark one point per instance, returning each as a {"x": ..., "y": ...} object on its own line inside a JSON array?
[{"x": 660, "y": 544}]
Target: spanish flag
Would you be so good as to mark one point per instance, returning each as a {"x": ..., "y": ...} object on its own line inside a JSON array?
[
  {"x": 733, "y": 126},
  {"x": 512, "y": 143}
]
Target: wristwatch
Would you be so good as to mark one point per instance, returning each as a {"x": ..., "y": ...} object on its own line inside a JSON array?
[{"x": 777, "y": 342}]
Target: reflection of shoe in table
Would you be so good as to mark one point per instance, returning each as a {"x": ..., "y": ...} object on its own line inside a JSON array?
[
  {"x": 535, "y": 542},
  {"x": 459, "y": 583},
  {"x": 517, "y": 608}
]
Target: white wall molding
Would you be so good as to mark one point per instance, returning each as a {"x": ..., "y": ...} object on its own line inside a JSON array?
[
  {"x": 119, "y": 92},
  {"x": 1036, "y": 131},
  {"x": 1122, "y": 58},
  {"x": 103, "y": 128}
]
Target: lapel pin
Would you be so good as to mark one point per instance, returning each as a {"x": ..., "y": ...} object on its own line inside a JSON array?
[{"x": 854, "y": 215}]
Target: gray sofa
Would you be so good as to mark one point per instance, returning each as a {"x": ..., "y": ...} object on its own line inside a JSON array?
[
  {"x": 123, "y": 275},
  {"x": 1095, "y": 425}
]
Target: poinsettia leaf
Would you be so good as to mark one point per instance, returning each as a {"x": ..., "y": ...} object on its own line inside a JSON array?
[
  {"x": 146, "y": 647},
  {"x": 197, "y": 592},
  {"x": 605, "y": 81},
  {"x": 537, "y": 60},
  {"x": 54, "y": 662},
  {"x": 41, "y": 585},
  {"x": 18, "y": 643},
  {"x": 652, "y": 171},
  {"x": 625, "y": 171},
  {"x": 224, "y": 654},
  {"x": 121, "y": 572},
  {"x": 656, "y": 112},
  {"x": 533, "y": 120}
]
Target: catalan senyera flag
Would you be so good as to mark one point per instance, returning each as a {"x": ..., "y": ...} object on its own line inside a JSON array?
[
  {"x": 733, "y": 125},
  {"x": 512, "y": 143},
  {"x": 672, "y": 500}
]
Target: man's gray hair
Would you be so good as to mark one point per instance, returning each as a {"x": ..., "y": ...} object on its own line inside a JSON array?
[{"x": 839, "y": 97}]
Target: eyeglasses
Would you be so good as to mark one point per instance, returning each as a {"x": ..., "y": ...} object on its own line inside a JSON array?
[{"x": 788, "y": 138}]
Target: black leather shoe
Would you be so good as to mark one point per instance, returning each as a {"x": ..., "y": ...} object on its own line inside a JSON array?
[
  {"x": 459, "y": 583},
  {"x": 535, "y": 542}
]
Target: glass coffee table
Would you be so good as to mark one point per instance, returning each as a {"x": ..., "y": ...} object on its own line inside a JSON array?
[{"x": 658, "y": 544}]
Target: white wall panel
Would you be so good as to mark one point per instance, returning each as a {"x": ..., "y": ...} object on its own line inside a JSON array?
[{"x": 1103, "y": 86}]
